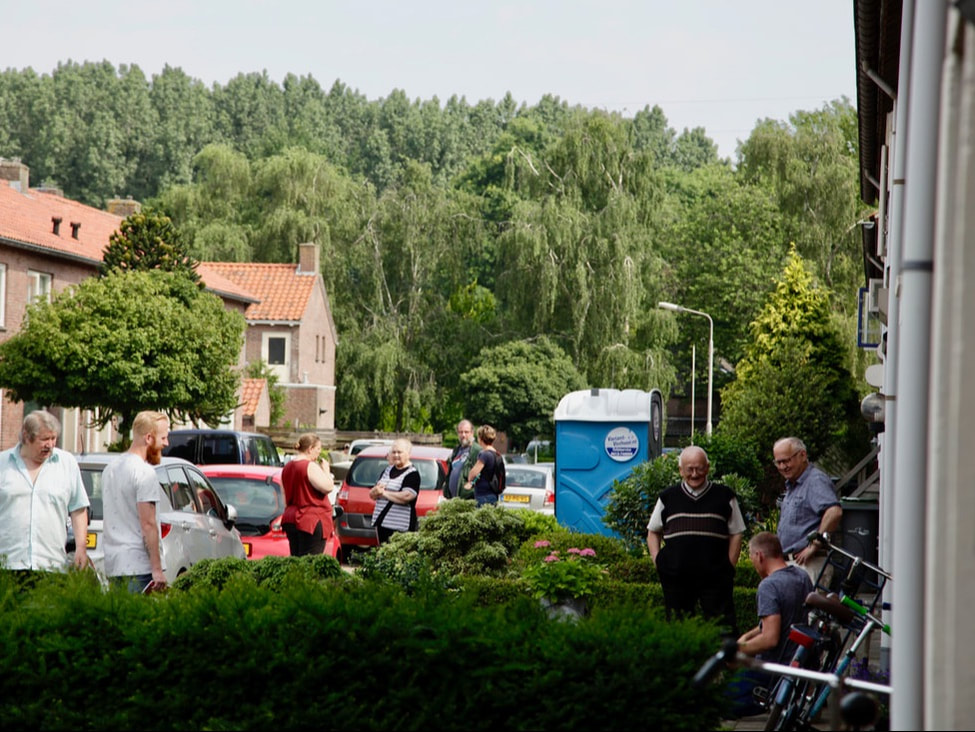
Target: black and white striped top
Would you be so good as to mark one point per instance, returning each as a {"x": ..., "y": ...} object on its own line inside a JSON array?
[{"x": 398, "y": 516}]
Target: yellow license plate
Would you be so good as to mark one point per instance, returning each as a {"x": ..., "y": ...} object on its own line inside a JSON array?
[
  {"x": 247, "y": 549},
  {"x": 515, "y": 498},
  {"x": 91, "y": 541}
]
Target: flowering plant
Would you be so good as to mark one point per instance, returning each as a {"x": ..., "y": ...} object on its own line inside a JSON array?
[{"x": 557, "y": 577}]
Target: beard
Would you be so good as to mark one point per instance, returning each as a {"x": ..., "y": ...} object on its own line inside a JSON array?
[{"x": 154, "y": 454}]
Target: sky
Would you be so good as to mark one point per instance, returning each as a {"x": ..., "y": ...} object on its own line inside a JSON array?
[{"x": 718, "y": 64}]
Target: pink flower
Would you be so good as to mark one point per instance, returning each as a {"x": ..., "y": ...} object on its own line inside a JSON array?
[
  {"x": 553, "y": 557},
  {"x": 573, "y": 550},
  {"x": 542, "y": 543},
  {"x": 587, "y": 552}
]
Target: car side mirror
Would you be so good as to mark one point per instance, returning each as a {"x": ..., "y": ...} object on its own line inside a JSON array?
[{"x": 231, "y": 516}]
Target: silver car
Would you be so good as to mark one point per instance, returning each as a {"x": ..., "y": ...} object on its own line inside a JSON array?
[
  {"x": 530, "y": 485},
  {"x": 195, "y": 523}
]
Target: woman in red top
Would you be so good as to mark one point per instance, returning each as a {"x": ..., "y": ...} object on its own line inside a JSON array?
[{"x": 307, "y": 480}]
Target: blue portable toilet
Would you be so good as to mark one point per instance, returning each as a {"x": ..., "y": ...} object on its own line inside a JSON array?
[{"x": 600, "y": 436}]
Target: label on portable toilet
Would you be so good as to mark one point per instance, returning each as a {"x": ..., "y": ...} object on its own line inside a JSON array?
[{"x": 622, "y": 444}]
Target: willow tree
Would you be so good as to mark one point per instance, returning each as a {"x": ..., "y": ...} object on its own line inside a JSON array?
[
  {"x": 399, "y": 275},
  {"x": 794, "y": 378},
  {"x": 577, "y": 256}
]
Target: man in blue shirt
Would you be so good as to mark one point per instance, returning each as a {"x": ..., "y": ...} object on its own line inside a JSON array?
[{"x": 810, "y": 504}]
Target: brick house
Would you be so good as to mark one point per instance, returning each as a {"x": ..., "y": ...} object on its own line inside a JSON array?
[
  {"x": 290, "y": 327},
  {"x": 49, "y": 243}
]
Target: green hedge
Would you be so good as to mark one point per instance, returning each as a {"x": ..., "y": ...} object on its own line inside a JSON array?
[{"x": 342, "y": 653}]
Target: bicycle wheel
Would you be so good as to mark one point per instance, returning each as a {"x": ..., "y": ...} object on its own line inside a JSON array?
[{"x": 774, "y": 715}]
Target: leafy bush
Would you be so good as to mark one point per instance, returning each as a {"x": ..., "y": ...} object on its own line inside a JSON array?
[
  {"x": 632, "y": 500},
  {"x": 728, "y": 454},
  {"x": 460, "y": 538},
  {"x": 574, "y": 573},
  {"x": 400, "y": 564},
  {"x": 74, "y": 657},
  {"x": 270, "y": 572}
]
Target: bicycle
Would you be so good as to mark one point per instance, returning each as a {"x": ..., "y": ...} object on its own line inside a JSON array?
[
  {"x": 854, "y": 709},
  {"x": 849, "y": 612},
  {"x": 817, "y": 647}
]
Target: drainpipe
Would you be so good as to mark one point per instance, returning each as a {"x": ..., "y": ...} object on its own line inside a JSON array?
[
  {"x": 895, "y": 243},
  {"x": 910, "y": 462}
]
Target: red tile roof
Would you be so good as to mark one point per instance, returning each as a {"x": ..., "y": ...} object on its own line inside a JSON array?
[
  {"x": 27, "y": 218},
  {"x": 282, "y": 290},
  {"x": 250, "y": 395},
  {"x": 222, "y": 285}
]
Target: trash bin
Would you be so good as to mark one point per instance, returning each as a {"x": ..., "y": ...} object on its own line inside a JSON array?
[
  {"x": 600, "y": 436},
  {"x": 860, "y": 528}
]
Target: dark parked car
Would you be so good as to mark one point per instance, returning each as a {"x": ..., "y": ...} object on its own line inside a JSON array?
[{"x": 222, "y": 447}]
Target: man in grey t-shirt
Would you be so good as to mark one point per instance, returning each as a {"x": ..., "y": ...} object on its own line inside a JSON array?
[
  {"x": 130, "y": 496},
  {"x": 781, "y": 603}
]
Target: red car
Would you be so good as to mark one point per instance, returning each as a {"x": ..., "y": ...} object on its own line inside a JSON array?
[
  {"x": 257, "y": 494},
  {"x": 355, "y": 524}
]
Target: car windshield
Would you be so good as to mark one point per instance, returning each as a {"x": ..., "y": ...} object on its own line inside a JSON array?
[
  {"x": 256, "y": 501},
  {"x": 519, "y": 478},
  {"x": 365, "y": 471}
]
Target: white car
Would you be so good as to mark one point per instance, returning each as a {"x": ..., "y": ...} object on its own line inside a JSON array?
[
  {"x": 530, "y": 485},
  {"x": 195, "y": 523}
]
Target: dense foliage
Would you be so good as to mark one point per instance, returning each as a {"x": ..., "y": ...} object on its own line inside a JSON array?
[
  {"x": 795, "y": 377},
  {"x": 448, "y": 229},
  {"x": 314, "y": 654}
]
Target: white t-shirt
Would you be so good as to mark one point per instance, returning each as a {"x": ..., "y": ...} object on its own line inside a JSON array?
[{"x": 125, "y": 483}]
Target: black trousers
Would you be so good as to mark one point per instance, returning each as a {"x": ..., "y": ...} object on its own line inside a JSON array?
[
  {"x": 302, "y": 543},
  {"x": 713, "y": 590}
]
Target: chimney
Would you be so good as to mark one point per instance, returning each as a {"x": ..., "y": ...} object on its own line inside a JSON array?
[
  {"x": 16, "y": 172},
  {"x": 56, "y": 225},
  {"x": 309, "y": 258},
  {"x": 75, "y": 225},
  {"x": 123, "y": 207}
]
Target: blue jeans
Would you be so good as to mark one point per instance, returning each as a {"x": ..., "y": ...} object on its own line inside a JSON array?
[
  {"x": 134, "y": 583},
  {"x": 486, "y": 498}
]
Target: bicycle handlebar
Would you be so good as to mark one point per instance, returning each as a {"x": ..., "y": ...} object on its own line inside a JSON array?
[
  {"x": 824, "y": 538},
  {"x": 861, "y": 610},
  {"x": 729, "y": 649}
]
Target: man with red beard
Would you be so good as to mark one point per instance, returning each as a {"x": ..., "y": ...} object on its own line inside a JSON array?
[
  {"x": 40, "y": 489},
  {"x": 130, "y": 493}
]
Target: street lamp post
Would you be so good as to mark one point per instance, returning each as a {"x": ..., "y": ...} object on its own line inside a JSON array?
[{"x": 681, "y": 309}]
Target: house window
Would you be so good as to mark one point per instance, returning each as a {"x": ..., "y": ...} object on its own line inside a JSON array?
[
  {"x": 38, "y": 286},
  {"x": 275, "y": 350},
  {"x": 3, "y": 295}
]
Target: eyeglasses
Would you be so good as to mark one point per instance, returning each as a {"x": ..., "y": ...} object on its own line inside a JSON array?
[{"x": 785, "y": 461}]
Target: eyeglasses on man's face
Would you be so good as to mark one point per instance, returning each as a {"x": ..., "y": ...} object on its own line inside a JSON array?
[{"x": 781, "y": 463}]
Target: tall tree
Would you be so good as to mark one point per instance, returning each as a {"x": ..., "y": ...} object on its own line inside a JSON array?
[
  {"x": 794, "y": 378},
  {"x": 145, "y": 241},
  {"x": 517, "y": 386}
]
